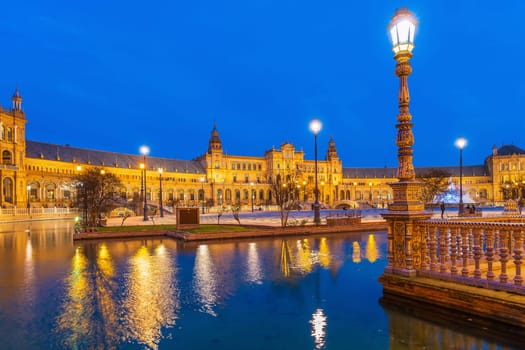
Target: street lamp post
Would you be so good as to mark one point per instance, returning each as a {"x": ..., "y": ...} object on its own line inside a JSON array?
[
  {"x": 460, "y": 143},
  {"x": 160, "y": 193},
  {"x": 251, "y": 186},
  {"x": 28, "y": 194},
  {"x": 203, "y": 195},
  {"x": 144, "y": 150},
  {"x": 315, "y": 128}
]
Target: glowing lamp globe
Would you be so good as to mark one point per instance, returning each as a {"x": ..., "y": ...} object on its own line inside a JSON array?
[
  {"x": 315, "y": 126},
  {"x": 402, "y": 28}
]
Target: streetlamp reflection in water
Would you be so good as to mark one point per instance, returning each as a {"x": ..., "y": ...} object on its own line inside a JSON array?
[
  {"x": 254, "y": 271},
  {"x": 319, "y": 323},
  {"x": 205, "y": 284}
]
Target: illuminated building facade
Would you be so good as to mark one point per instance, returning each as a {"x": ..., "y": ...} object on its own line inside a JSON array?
[{"x": 44, "y": 173}]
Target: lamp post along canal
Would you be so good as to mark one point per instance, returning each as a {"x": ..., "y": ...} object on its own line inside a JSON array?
[
  {"x": 252, "y": 194},
  {"x": 403, "y": 243},
  {"x": 160, "y": 192},
  {"x": 203, "y": 195},
  {"x": 28, "y": 195},
  {"x": 315, "y": 128},
  {"x": 144, "y": 150},
  {"x": 461, "y": 143}
]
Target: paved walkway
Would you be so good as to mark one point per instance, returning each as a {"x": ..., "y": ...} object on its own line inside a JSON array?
[{"x": 273, "y": 218}]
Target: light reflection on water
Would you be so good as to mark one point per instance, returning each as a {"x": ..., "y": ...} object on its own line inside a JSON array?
[{"x": 306, "y": 293}]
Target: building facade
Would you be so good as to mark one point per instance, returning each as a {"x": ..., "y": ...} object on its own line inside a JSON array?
[{"x": 42, "y": 174}]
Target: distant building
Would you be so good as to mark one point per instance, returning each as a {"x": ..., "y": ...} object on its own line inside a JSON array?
[{"x": 220, "y": 178}]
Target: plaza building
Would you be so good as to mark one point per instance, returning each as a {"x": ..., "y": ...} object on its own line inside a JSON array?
[{"x": 42, "y": 174}]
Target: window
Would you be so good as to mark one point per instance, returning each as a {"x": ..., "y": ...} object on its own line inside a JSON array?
[
  {"x": 6, "y": 157},
  {"x": 9, "y": 134}
]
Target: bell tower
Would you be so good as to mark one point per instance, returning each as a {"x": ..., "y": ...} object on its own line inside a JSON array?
[
  {"x": 17, "y": 101},
  {"x": 215, "y": 144}
]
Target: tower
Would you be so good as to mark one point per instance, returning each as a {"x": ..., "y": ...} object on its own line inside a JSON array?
[
  {"x": 215, "y": 144},
  {"x": 17, "y": 101}
]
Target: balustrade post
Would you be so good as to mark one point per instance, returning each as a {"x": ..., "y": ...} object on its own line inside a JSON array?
[
  {"x": 464, "y": 251},
  {"x": 470, "y": 243},
  {"x": 518, "y": 251},
  {"x": 490, "y": 253},
  {"x": 504, "y": 255},
  {"x": 424, "y": 246},
  {"x": 433, "y": 248},
  {"x": 454, "y": 232},
  {"x": 477, "y": 232},
  {"x": 443, "y": 249}
]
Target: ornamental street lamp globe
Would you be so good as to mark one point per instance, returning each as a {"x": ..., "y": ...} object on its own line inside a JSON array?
[{"x": 402, "y": 29}]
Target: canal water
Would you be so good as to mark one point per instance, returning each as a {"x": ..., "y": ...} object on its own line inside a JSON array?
[{"x": 298, "y": 293}]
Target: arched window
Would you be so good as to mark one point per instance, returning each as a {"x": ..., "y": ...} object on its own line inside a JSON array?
[
  {"x": 342, "y": 195},
  {"x": 237, "y": 195},
  {"x": 228, "y": 195},
  {"x": 348, "y": 194},
  {"x": 269, "y": 195},
  {"x": 8, "y": 190},
  {"x": 261, "y": 195},
  {"x": 50, "y": 192},
  {"x": 9, "y": 134},
  {"x": 7, "y": 158},
  {"x": 245, "y": 195}
]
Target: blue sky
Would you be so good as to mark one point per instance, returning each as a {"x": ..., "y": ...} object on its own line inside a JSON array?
[{"x": 113, "y": 75}]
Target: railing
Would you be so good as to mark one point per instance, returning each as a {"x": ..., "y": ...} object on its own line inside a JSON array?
[
  {"x": 37, "y": 211},
  {"x": 477, "y": 253}
]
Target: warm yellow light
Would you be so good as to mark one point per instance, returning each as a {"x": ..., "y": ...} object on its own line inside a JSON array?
[
  {"x": 461, "y": 142},
  {"x": 203, "y": 179},
  {"x": 79, "y": 168},
  {"x": 402, "y": 28},
  {"x": 304, "y": 183},
  {"x": 144, "y": 150},
  {"x": 160, "y": 170},
  {"x": 28, "y": 187},
  {"x": 141, "y": 165},
  {"x": 102, "y": 172},
  {"x": 315, "y": 126}
]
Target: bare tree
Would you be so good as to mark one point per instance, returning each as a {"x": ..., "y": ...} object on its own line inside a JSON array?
[
  {"x": 434, "y": 182},
  {"x": 286, "y": 194},
  {"x": 97, "y": 193}
]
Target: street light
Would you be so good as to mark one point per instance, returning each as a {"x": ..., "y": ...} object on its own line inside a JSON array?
[
  {"x": 460, "y": 143},
  {"x": 144, "y": 150},
  {"x": 160, "y": 192},
  {"x": 251, "y": 186},
  {"x": 315, "y": 128},
  {"x": 28, "y": 194},
  {"x": 202, "y": 191},
  {"x": 304, "y": 191}
]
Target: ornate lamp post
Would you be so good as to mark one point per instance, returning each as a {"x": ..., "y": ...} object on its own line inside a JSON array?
[
  {"x": 403, "y": 245},
  {"x": 28, "y": 194},
  {"x": 253, "y": 195},
  {"x": 460, "y": 143},
  {"x": 315, "y": 128},
  {"x": 144, "y": 150},
  {"x": 203, "y": 195},
  {"x": 160, "y": 192}
]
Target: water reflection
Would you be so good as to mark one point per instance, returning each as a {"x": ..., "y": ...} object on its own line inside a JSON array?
[
  {"x": 356, "y": 252},
  {"x": 263, "y": 294},
  {"x": 372, "y": 251},
  {"x": 151, "y": 299},
  {"x": 254, "y": 271},
  {"x": 96, "y": 311},
  {"x": 319, "y": 322},
  {"x": 204, "y": 279}
]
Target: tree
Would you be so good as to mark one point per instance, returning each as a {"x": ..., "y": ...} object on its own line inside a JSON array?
[
  {"x": 97, "y": 193},
  {"x": 286, "y": 194},
  {"x": 434, "y": 182}
]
